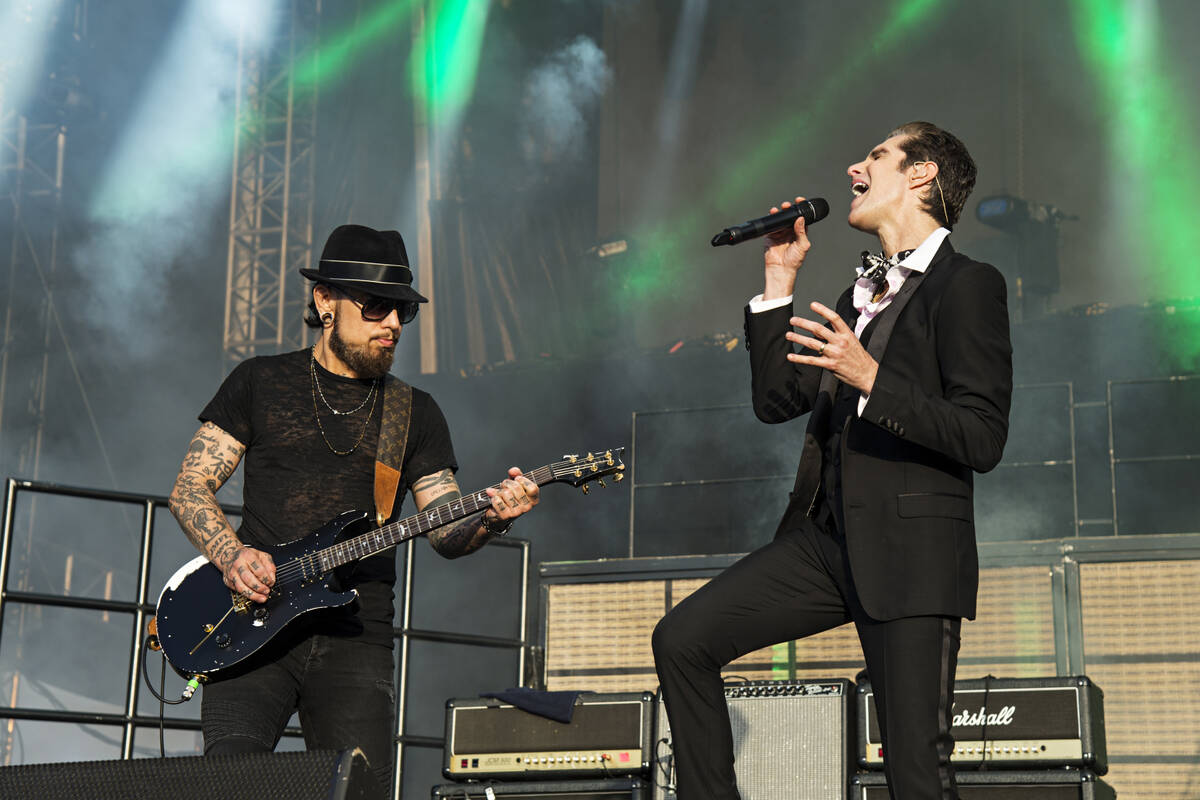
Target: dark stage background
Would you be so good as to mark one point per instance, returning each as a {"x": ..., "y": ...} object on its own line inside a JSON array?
[{"x": 582, "y": 156}]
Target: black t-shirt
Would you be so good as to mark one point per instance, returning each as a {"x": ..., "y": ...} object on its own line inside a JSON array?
[{"x": 294, "y": 483}]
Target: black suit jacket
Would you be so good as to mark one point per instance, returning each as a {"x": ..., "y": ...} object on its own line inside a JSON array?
[{"x": 938, "y": 412}]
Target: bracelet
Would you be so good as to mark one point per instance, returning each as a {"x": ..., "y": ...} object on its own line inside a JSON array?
[{"x": 500, "y": 530}]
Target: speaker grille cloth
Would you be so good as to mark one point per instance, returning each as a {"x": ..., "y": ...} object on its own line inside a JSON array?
[
  {"x": 788, "y": 747},
  {"x": 598, "y": 635},
  {"x": 1140, "y": 644}
]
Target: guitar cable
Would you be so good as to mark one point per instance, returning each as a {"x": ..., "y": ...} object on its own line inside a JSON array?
[{"x": 151, "y": 643}]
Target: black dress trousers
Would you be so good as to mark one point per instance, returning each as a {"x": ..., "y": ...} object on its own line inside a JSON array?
[{"x": 796, "y": 586}]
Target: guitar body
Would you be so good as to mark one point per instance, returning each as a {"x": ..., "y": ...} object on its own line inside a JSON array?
[{"x": 196, "y": 598}]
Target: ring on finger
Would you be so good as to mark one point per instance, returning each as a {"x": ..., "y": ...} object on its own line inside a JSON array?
[{"x": 821, "y": 349}]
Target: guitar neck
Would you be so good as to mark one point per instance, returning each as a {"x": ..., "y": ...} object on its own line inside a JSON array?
[{"x": 380, "y": 539}]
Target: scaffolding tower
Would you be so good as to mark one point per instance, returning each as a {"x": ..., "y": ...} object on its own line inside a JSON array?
[
  {"x": 32, "y": 151},
  {"x": 271, "y": 200}
]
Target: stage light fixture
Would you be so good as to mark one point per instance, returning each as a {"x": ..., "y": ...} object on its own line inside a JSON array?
[
  {"x": 608, "y": 249},
  {"x": 1035, "y": 228},
  {"x": 1002, "y": 211}
]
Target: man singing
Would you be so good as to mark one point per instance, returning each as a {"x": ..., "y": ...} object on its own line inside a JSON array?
[
  {"x": 908, "y": 383},
  {"x": 307, "y": 426}
]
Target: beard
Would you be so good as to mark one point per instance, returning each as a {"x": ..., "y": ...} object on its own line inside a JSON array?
[{"x": 360, "y": 358}]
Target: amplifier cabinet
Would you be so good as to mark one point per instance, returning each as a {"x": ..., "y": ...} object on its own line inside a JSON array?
[
  {"x": 791, "y": 739},
  {"x": 610, "y": 789},
  {"x": 1059, "y": 784},
  {"x": 1010, "y": 722},
  {"x": 608, "y": 736}
]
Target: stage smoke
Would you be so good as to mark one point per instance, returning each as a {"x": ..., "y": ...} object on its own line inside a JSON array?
[{"x": 558, "y": 94}]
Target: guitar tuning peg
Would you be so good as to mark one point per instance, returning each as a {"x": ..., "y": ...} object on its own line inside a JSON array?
[
  {"x": 584, "y": 488},
  {"x": 620, "y": 476},
  {"x": 603, "y": 485}
]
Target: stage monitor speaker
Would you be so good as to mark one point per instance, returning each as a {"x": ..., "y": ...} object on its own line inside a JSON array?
[
  {"x": 608, "y": 736},
  {"x": 312, "y": 775},
  {"x": 1059, "y": 784},
  {"x": 609, "y": 789},
  {"x": 791, "y": 739}
]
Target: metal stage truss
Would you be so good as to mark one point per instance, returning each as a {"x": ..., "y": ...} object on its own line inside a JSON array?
[
  {"x": 271, "y": 198},
  {"x": 31, "y": 178}
]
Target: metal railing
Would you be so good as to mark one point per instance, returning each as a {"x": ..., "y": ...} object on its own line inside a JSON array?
[{"x": 141, "y": 608}]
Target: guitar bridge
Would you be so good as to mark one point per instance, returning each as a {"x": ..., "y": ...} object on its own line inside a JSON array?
[{"x": 241, "y": 604}]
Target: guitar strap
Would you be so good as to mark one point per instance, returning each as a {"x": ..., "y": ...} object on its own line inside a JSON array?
[{"x": 393, "y": 436}]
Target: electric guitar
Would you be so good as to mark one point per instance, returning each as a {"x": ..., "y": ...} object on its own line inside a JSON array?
[{"x": 205, "y": 627}]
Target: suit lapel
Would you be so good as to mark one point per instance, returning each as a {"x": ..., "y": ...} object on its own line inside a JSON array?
[{"x": 886, "y": 321}]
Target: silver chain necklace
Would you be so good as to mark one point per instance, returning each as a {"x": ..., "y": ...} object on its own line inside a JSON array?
[
  {"x": 317, "y": 414},
  {"x": 312, "y": 366}
]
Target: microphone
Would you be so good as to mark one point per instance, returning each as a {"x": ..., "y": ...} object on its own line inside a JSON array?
[{"x": 813, "y": 210}]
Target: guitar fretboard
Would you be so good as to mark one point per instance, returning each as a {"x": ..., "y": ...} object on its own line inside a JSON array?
[{"x": 380, "y": 539}]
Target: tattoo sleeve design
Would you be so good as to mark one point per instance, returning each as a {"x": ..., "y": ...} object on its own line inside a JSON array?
[
  {"x": 211, "y": 458},
  {"x": 441, "y": 483},
  {"x": 458, "y": 538}
]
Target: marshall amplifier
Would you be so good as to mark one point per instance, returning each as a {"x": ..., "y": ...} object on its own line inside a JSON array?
[
  {"x": 610, "y": 789},
  {"x": 791, "y": 739},
  {"x": 608, "y": 735},
  {"x": 1011, "y": 722},
  {"x": 1059, "y": 784}
]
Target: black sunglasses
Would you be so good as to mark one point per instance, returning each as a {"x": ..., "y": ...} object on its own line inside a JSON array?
[{"x": 375, "y": 309}]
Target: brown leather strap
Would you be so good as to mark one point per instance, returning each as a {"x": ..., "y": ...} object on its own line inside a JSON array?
[{"x": 393, "y": 436}]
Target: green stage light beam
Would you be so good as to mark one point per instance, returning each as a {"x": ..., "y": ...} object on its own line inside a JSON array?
[
  {"x": 333, "y": 59},
  {"x": 658, "y": 267},
  {"x": 450, "y": 50},
  {"x": 1152, "y": 124}
]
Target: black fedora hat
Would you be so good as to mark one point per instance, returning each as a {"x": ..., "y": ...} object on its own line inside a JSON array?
[{"x": 375, "y": 262}]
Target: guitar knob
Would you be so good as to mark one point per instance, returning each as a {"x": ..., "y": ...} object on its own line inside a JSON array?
[
  {"x": 222, "y": 641},
  {"x": 584, "y": 488}
]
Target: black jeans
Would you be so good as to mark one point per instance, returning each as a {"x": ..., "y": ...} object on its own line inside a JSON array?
[
  {"x": 796, "y": 586},
  {"x": 343, "y": 689}
]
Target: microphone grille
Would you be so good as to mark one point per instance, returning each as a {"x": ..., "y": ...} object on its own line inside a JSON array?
[{"x": 820, "y": 208}]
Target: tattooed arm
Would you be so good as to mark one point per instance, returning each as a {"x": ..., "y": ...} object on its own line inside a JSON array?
[
  {"x": 211, "y": 458},
  {"x": 516, "y": 496}
]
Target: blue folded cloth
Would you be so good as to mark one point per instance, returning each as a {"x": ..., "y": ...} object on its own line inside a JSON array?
[{"x": 558, "y": 706}]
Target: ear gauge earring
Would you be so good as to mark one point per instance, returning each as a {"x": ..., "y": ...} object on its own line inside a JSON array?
[{"x": 327, "y": 319}]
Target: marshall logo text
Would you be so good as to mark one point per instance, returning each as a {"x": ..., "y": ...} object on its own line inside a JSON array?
[{"x": 965, "y": 719}]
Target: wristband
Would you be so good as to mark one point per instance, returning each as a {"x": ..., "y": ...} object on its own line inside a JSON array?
[{"x": 502, "y": 526}]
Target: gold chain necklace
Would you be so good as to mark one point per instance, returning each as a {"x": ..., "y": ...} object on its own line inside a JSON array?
[{"x": 371, "y": 395}]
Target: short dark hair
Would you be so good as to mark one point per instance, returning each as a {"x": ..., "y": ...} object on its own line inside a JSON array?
[
  {"x": 311, "y": 318},
  {"x": 956, "y": 169}
]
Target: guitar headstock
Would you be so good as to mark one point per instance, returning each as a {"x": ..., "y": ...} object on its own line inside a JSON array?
[{"x": 580, "y": 470}]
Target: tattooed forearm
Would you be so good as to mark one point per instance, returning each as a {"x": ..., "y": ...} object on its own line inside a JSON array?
[
  {"x": 211, "y": 458},
  {"x": 457, "y": 538}
]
